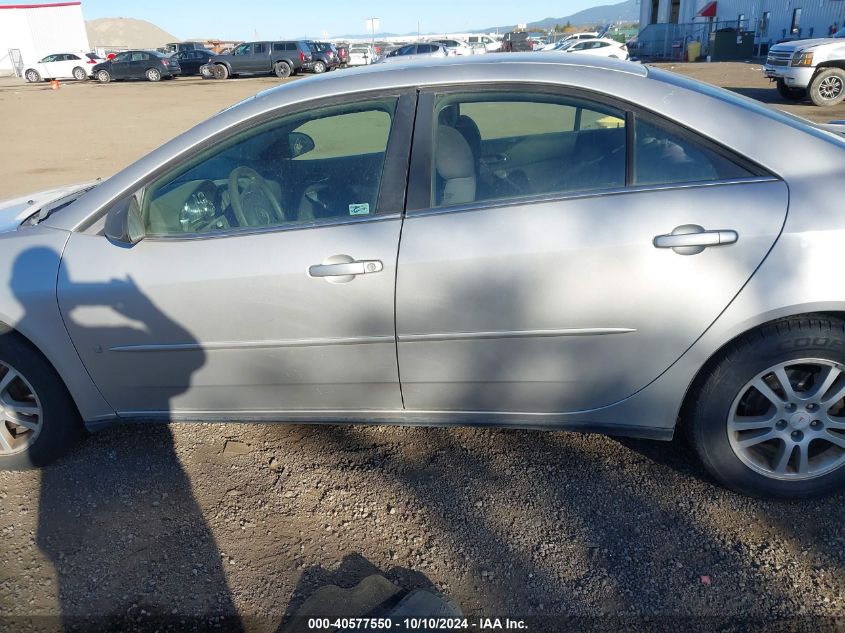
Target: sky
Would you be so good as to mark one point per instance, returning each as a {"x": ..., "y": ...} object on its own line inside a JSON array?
[{"x": 254, "y": 19}]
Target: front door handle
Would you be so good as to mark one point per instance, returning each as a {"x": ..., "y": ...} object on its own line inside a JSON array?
[
  {"x": 342, "y": 268},
  {"x": 691, "y": 239}
]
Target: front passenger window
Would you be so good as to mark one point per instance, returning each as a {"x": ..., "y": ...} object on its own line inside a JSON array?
[{"x": 310, "y": 167}]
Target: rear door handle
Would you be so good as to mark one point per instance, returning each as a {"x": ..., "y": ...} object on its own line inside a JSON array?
[
  {"x": 691, "y": 239},
  {"x": 342, "y": 268}
]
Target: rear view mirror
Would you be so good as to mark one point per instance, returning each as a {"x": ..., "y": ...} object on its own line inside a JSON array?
[{"x": 300, "y": 144}]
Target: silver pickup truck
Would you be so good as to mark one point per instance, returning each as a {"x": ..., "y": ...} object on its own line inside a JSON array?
[{"x": 814, "y": 68}]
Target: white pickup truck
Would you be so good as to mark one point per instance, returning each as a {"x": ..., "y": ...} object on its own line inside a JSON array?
[{"x": 809, "y": 67}]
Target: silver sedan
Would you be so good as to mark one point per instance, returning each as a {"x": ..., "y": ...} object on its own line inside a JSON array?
[{"x": 531, "y": 242}]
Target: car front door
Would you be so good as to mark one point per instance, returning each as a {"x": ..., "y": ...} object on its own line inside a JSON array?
[
  {"x": 241, "y": 57},
  {"x": 536, "y": 272},
  {"x": 259, "y": 58},
  {"x": 120, "y": 65},
  {"x": 265, "y": 282},
  {"x": 48, "y": 66}
]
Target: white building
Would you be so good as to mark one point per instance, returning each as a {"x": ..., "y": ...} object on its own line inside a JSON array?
[
  {"x": 769, "y": 20},
  {"x": 29, "y": 32}
]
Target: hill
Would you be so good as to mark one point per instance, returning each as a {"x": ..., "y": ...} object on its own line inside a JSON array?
[
  {"x": 126, "y": 32},
  {"x": 628, "y": 11}
]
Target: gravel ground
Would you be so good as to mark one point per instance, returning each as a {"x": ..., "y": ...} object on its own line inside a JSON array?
[{"x": 236, "y": 525}]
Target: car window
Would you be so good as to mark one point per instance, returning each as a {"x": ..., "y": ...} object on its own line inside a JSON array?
[
  {"x": 123, "y": 57},
  {"x": 321, "y": 165},
  {"x": 493, "y": 146},
  {"x": 290, "y": 46},
  {"x": 243, "y": 49},
  {"x": 424, "y": 48},
  {"x": 48, "y": 59},
  {"x": 138, "y": 57},
  {"x": 662, "y": 157},
  {"x": 407, "y": 50},
  {"x": 71, "y": 57},
  {"x": 278, "y": 46},
  {"x": 258, "y": 49}
]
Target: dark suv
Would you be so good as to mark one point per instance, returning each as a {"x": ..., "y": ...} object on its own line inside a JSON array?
[
  {"x": 284, "y": 58},
  {"x": 324, "y": 57},
  {"x": 517, "y": 42}
]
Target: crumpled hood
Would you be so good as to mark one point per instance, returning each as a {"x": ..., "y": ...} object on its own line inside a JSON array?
[{"x": 16, "y": 210}]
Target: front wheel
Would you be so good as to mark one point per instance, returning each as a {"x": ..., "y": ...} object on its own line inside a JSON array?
[
  {"x": 282, "y": 70},
  {"x": 103, "y": 76},
  {"x": 828, "y": 87},
  {"x": 220, "y": 72},
  {"x": 769, "y": 419},
  {"x": 32, "y": 76},
  {"x": 38, "y": 419},
  {"x": 79, "y": 74},
  {"x": 153, "y": 74},
  {"x": 790, "y": 94}
]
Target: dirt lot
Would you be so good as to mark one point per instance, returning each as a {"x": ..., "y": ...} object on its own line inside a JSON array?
[{"x": 246, "y": 521}]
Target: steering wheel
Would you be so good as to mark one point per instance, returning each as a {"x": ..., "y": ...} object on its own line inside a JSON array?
[{"x": 258, "y": 216}]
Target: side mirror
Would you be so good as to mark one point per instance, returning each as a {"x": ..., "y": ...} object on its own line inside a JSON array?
[
  {"x": 300, "y": 144},
  {"x": 124, "y": 223}
]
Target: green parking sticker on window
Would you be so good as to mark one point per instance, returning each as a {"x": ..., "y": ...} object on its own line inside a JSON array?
[{"x": 359, "y": 209}]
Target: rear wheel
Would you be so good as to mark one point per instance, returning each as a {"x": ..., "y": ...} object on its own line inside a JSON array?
[
  {"x": 828, "y": 87},
  {"x": 769, "y": 419},
  {"x": 32, "y": 76},
  {"x": 282, "y": 70},
  {"x": 153, "y": 74},
  {"x": 79, "y": 74},
  {"x": 220, "y": 72},
  {"x": 103, "y": 76},
  {"x": 790, "y": 94},
  {"x": 319, "y": 67},
  {"x": 38, "y": 419}
]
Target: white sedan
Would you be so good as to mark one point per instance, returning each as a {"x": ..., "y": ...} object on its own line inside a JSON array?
[
  {"x": 62, "y": 66},
  {"x": 603, "y": 47}
]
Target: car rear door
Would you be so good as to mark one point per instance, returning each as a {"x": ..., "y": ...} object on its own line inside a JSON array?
[
  {"x": 537, "y": 272},
  {"x": 285, "y": 315}
]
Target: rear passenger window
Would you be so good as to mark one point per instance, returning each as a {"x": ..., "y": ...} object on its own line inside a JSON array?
[
  {"x": 290, "y": 46},
  {"x": 492, "y": 146},
  {"x": 278, "y": 46},
  {"x": 662, "y": 157}
]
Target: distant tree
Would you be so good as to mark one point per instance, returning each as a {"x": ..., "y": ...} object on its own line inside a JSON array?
[{"x": 568, "y": 28}]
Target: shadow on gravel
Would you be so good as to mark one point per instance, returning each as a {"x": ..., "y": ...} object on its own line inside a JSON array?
[
  {"x": 126, "y": 536},
  {"x": 560, "y": 529}
]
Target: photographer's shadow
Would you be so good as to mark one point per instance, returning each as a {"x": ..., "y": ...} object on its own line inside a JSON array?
[{"x": 117, "y": 517}]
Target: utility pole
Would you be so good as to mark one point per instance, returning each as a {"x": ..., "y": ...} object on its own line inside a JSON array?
[{"x": 373, "y": 23}]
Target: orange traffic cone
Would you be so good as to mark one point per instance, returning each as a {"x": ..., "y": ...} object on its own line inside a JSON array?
[{"x": 54, "y": 84}]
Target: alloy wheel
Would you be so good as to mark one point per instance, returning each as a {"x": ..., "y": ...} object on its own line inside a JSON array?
[
  {"x": 831, "y": 87},
  {"x": 20, "y": 411},
  {"x": 788, "y": 422}
]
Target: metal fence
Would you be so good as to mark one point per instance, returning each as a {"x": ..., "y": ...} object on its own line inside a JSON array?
[{"x": 672, "y": 41}]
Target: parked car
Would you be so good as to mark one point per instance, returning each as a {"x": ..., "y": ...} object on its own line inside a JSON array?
[
  {"x": 282, "y": 58},
  {"x": 61, "y": 66},
  {"x": 598, "y": 47},
  {"x": 516, "y": 42},
  {"x": 179, "y": 47},
  {"x": 191, "y": 61},
  {"x": 809, "y": 67},
  {"x": 361, "y": 56},
  {"x": 587, "y": 35},
  {"x": 455, "y": 47},
  {"x": 489, "y": 44},
  {"x": 342, "y": 54},
  {"x": 150, "y": 65},
  {"x": 411, "y": 52},
  {"x": 323, "y": 57},
  {"x": 252, "y": 269}
]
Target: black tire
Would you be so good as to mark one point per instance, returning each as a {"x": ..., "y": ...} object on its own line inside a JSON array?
[
  {"x": 79, "y": 74},
  {"x": 790, "y": 94},
  {"x": 282, "y": 70},
  {"x": 319, "y": 67},
  {"x": 60, "y": 422},
  {"x": 32, "y": 76},
  {"x": 827, "y": 87},
  {"x": 725, "y": 384},
  {"x": 220, "y": 72},
  {"x": 153, "y": 74},
  {"x": 103, "y": 76}
]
